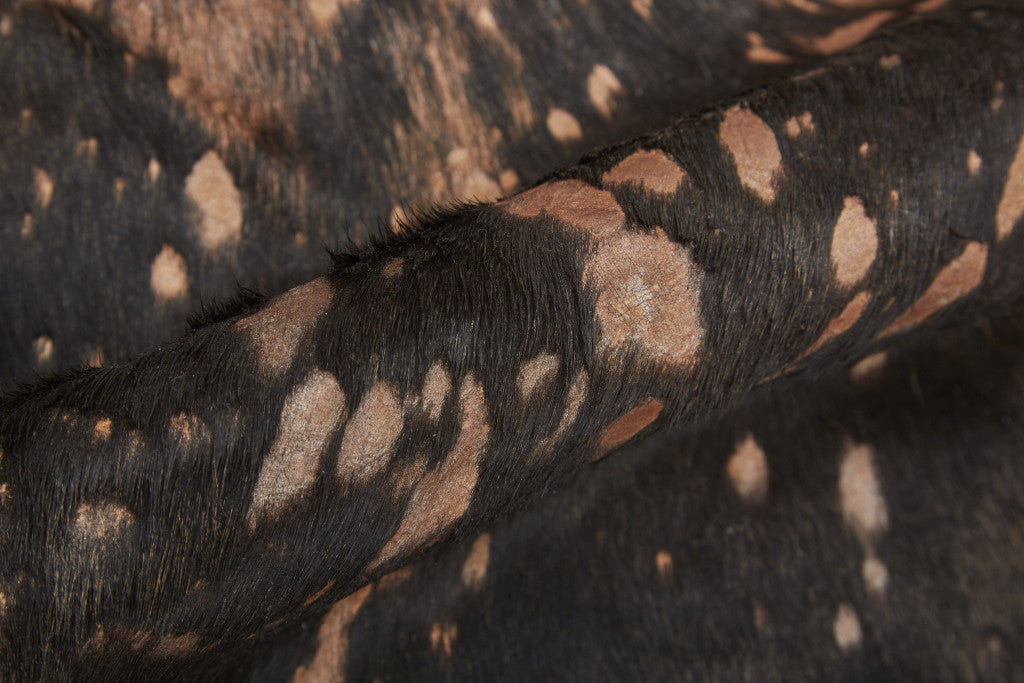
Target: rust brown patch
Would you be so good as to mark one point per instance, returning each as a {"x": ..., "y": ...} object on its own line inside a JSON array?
[
  {"x": 44, "y": 187},
  {"x": 845, "y": 37},
  {"x": 854, "y": 243},
  {"x": 957, "y": 279},
  {"x": 563, "y": 126},
  {"x": 846, "y": 319},
  {"x": 442, "y": 636},
  {"x": 759, "y": 53},
  {"x": 748, "y": 471},
  {"x": 168, "y": 276},
  {"x": 653, "y": 170},
  {"x": 754, "y": 150},
  {"x": 474, "y": 570},
  {"x": 860, "y": 495},
  {"x": 332, "y": 638},
  {"x": 101, "y": 431},
  {"x": 443, "y": 495},
  {"x": 103, "y": 521},
  {"x": 43, "y": 349},
  {"x": 846, "y": 628},
  {"x": 277, "y": 329},
  {"x": 311, "y": 414},
  {"x": 212, "y": 189},
  {"x": 663, "y": 561},
  {"x": 580, "y": 205},
  {"x": 536, "y": 372},
  {"x": 602, "y": 88},
  {"x": 1011, "y": 204},
  {"x": 370, "y": 435},
  {"x": 628, "y": 426},
  {"x": 869, "y": 368}
]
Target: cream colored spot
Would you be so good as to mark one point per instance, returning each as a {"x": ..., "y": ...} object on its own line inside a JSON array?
[
  {"x": 1011, "y": 204},
  {"x": 333, "y": 638},
  {"x": 43, "y": 349},
  {"x": 442, "y": 636},
  {"x": 854, "y": 243},
  {"x": 277, "y": 329},
  {"x": 602, "y": 88},
  {"x": 311, "y": 414},
  {"x": 890, "y": 61},
  {"x": 101, "y": 431},
  {"x": 535, "y": 373},
  {"x": 44, "y": 187},
  {"x": 370, "y": 435},
  {"x": 759, "y": 53},
  {"x": 436, "y": 387},
  {"x": 846, "y": 628},
  {"x": 652, "y": 169},
  {"x": 211, "y": 188},
  {"x": 875, "y": 575},
  {"x": 754, "y": 149},
  {"x": 800, "y": 124},
  {"x": 748, "y": 471},
  {"x": 475, "y": 568},
  {"x": 663, "y": 561},
  {"x": 563, "y": 126},
  {"x": 868, "y": 368},
  {"x": 104, "y": 521},
  {"x": 846, "y": 319},
  {"x": 864, "y": 149},
  {"x": 154, "y": 170},
  {"x": 168, "y": 276},
  {"x": 973, "y": 162},
  {"x": 508, "y": 180},
  {"x": 844, "y": 37},
  {"x": 956, "y": 280},
  {"x": 573, "y": 201},
  {"x": 468, "y": 180},
  {"x": 628, "y": 426},
  {"x": 860, "y": 495},
  {"x": 443, "y": 495}
]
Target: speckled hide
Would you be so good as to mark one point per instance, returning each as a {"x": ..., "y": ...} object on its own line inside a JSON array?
[{"x": 737, "y": 399}]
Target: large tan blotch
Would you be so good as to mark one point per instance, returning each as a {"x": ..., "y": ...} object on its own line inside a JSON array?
[
  {"x": 582, "y": 206},
  {"x": 627, "y": 426},
  {"x": 652, "y": 169},
  {"x": 957, "y": 279},
  {"x": 443, "y": 495},
  {"x": 754, "y": 149},
  {"x": 211, "y": 188},
  {"x": 1011, "y": 204},
  {"x": 370, "y": 435},
  {"x": 311, "y": 414},
  {"x": 277, "y": 329},
  {"x": 328, "y": 663},
  {"x": 854, "y": 243},
  {"x": 846, "y": 319}
]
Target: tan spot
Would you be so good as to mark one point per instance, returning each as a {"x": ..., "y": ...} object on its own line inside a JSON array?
[
  {"x": 957, "y": 279},
  {"x": 536, "y": 372},
  {"x": 748, "y": 471},
  {"x": 508, "y": 180},
  {"x": 436, "y": 387},
  {"x": 277, "y": 329},
  {"x": 5, "y": 494},
  {"x": 860, "y": 495},
  {"x": 485, "y": 20},
  {"x": 88, "y": 147},
  {"x": 43, "y": 349},
  {"x": 104, "y": 521},
  {"x": 370, "y": 435},
  {"x": 890, "y": 61},
  {"x": 153, "y": 170},
  {"x": 844, "y": 37},
  {"x": 759, "y": 53},
  {"x": 101, "y": 431},
  {"x": 996, "y": 103},
  {"x": 868, "y": 369},
  {"x": 325, "y": 12},
  {"x": 6, "y": 26},
  {"x": 468, "y": 180},
  {"x": 119, "y": 186},
  {"x": 475, "y": 568},
  {"x": 168, "y": 275},
  {"x": 443, "y": 495},
  {"x": 442, "y": 636},
  {"x": 864, "y": 149},
  {"x": 875, "y": 575},
  {"x": 333, "y": 639},
  {"x": 95, "y": 358},
  {"x": 929, "y": 5},
  {"x": 854, "y": 243},
  {"x": 800, "y": 124},
  {"x": 44, "y": 187},
  {"x": 642, "y": 7},
  {"x": 602, "y": 87},
  {"x": 563, "y": 126},
  {"x": 754, "y": 149},
  {"x": 3, "y": 604},
  {"x": 973, "y": 162},
  {"x": 846, "y": 628},
  {"x": 652, "y": 169},
  {"x": 894, "y": 197},
  {"x": 176, "y": 646},
  {"x": 211, "y": 188},
  {"x": 846, "y": 319},
  {"x": 577, "y": 392},
  {"x": 311, "y": 414},
  {"x": 580, "y": 205},
  {"x": 189, "y": 432},
  {"x": 663, "y": 562},
  {"x": 1011, "y": 204},
  {"x": 27, "y": 226},
  {"x": 393, "y": 268},
  {"x": 398, "y": 220},
  {"x": 628, "y": 426}
]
